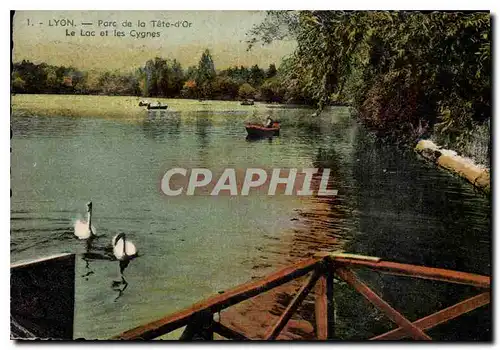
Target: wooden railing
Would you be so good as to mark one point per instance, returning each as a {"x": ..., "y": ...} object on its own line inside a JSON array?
[{"x": 201, "y": 325}]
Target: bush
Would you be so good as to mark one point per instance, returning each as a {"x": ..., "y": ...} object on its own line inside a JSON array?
[{"x": 246, "y": 91}]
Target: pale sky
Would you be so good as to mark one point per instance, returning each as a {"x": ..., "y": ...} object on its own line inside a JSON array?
[{"x": 39, "y": 37}]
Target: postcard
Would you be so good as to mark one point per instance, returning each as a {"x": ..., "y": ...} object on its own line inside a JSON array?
[{"x": 251, "y": 175}]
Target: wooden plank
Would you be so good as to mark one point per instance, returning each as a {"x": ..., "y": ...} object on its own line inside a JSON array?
[
  {"x": 221, "y": 301},
  {"x": 274, "y": 331},
  {"x": 324, "y": 305},
  {"x": 51, "y": 259},
  {"x": 347, "y": 256},
  {"x": 351, "y": 278},
  {"x": 423, "y": 272},
  {"x": 439, "y": 317},
  {"x": 320, "y": 308},
  {"x": 228, "y": 332}
]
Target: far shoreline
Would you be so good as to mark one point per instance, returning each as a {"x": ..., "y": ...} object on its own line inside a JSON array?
[
  {"x": 272, "y": 103},
  {"x": 126, "y": 107}
]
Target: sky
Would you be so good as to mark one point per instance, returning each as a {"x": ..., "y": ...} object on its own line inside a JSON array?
[{"x": 42, "y": 36}]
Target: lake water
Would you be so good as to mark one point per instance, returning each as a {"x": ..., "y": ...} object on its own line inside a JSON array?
[{"x": 390, "y": 204}]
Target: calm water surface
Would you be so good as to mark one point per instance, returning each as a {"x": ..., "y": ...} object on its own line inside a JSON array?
[{"x": 390, "y": 204}]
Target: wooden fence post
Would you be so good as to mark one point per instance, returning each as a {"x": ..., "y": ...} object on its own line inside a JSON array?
[
  {"x": 200, "y": 327},
  {"x": 330, "y": 298},
  {"x": 351, "y": 278},
  {"x": 275, "y": 330},
  {"x": 324, "y": 304}
]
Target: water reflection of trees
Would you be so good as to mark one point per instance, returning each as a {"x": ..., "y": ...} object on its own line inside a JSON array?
[
  {"x": 412, "y": 214},
  {"x": 161, "y": 123},
  {"x": 203, "y": 124},
  {"x": 424, "y": 207},
  {"x": 331, "y": 222}
]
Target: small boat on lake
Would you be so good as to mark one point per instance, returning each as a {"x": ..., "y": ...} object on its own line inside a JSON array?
[
  {"x": 247, "y": 102},
  {"x": 258, "y": 130},
  {"x": 157, "y": 105}
]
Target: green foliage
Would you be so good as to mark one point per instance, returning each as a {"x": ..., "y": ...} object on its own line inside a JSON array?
[
  {"x": 272, "y": 71},
  {"x": 257, "y": 76},
  {"x": 191, "y": 73},
  {"x": 409, "y": 74},
  {"x": 272, "y": 90},
  {"x": 206, "y": 69},
  {"x": 117, "y": 84},
  {"x": 18, "y": 84},
  {"x": 161, "y": 77},
  {"x": 278, "y": 25},
  {"x": 225, "y": 88},
  {"x": 246, "y": 91}
]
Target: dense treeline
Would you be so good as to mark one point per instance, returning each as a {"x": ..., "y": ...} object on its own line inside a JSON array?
[
  {"x": 408, "y": 74},
  {"x": 160, "y": 77}
]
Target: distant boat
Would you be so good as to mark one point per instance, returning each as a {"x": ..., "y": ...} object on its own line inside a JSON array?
[
  {"x": 157, "y": 107},
  {"x": 258, "y": 130},
  {"x": 247, "y": 102}
]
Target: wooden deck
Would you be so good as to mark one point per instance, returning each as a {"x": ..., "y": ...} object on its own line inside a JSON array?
[{"x": 42, "y": 298}]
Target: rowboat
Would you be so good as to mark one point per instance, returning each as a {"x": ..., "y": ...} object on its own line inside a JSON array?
[
  {"x": 248, "y": 102},
  {"x": 257, "y": 130},
  {"x": 150, "y": 106}
]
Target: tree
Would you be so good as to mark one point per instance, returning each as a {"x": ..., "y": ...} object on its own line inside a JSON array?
[
  {"x": 73, "y": 80},
  {"x": 149, "y": 79},
  {"x": 92, "y": 85},
  {"x": 225, "y": 88},
  {"x": 18, "y": 84},
  {"x": 53, "y": 82},
  {"x": 177, "y": 79},
  {"x": 161, "y": 77},
  {"x": 189, "y": 90},
  {"x": 246, "y": 91},
  {"x": 272, "y": 90},
  {"x": 271, "y": 72},
  {"x": 191, "y": 73},
  {"x": 34, "y": 76},
  {"x": 205, "y": 73},
  {"x": 256, "y": 76},
  {"x": 163, "y": 71}
]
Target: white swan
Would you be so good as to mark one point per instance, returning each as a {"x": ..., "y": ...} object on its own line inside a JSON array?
[
  {"x": 124, "y": 251},
  {"x": 85, "y": 229}
]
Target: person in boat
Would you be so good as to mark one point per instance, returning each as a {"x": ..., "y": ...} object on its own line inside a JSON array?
[{"x": 269, "y": 122}]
